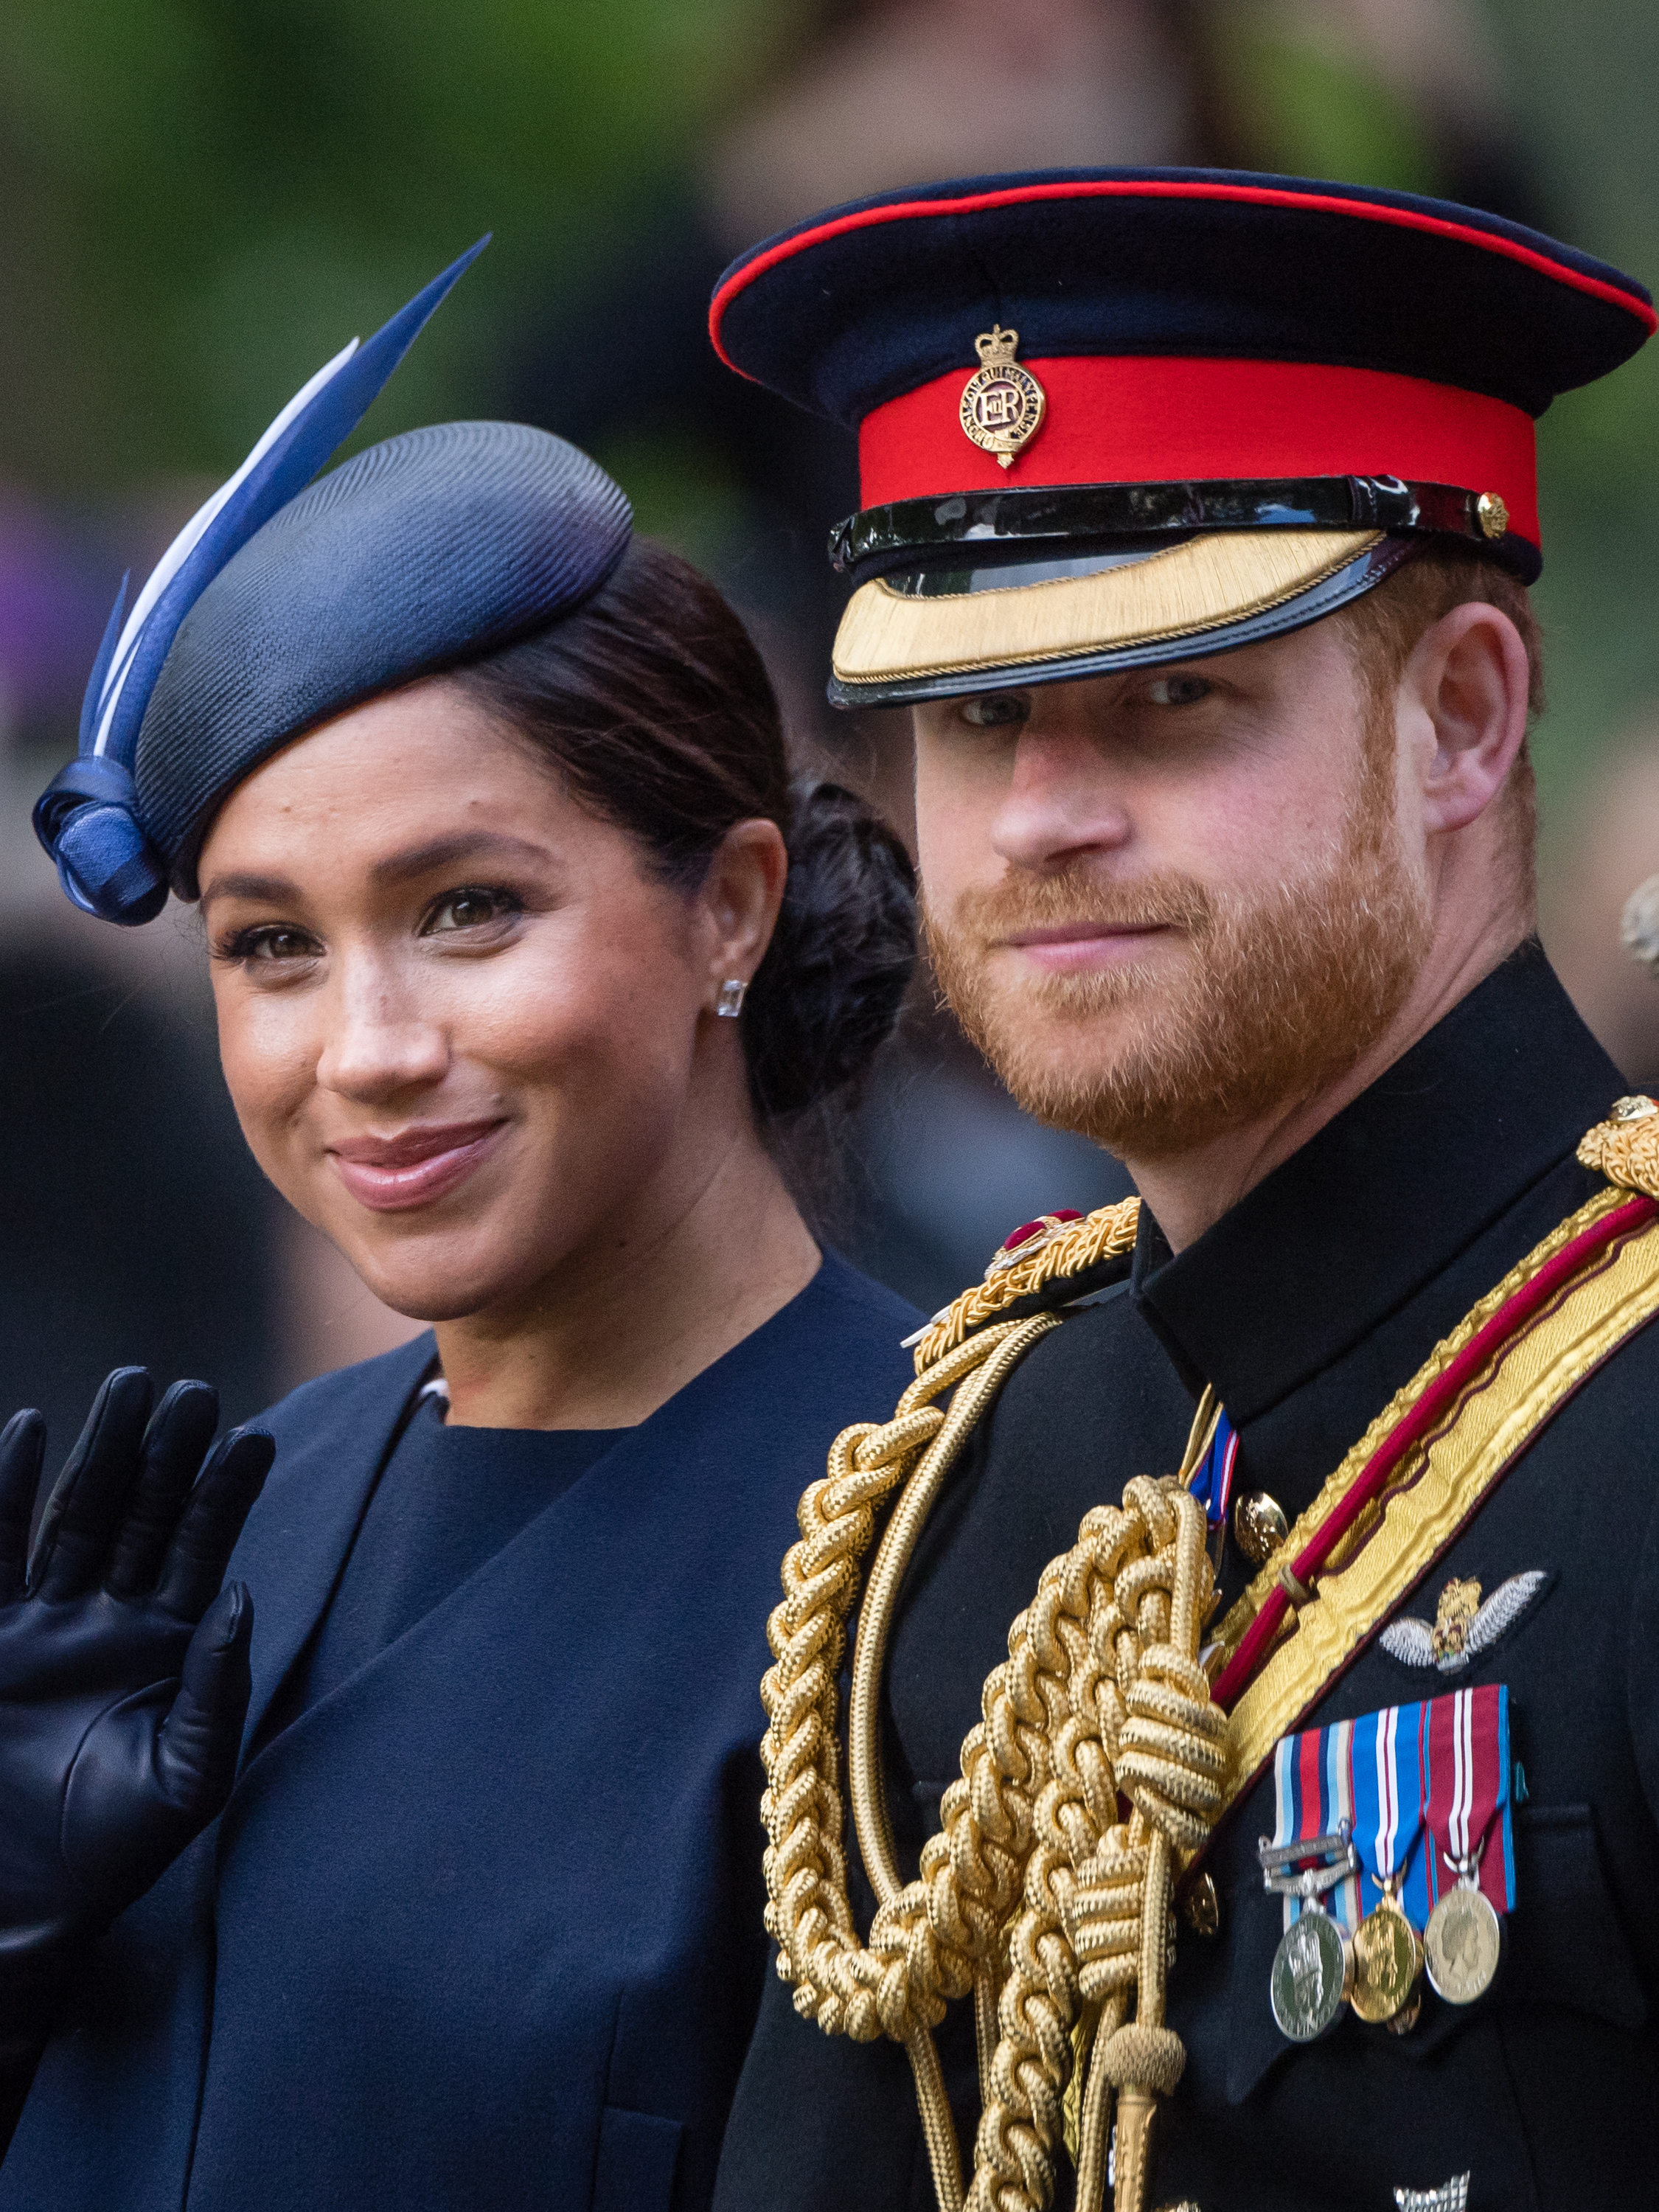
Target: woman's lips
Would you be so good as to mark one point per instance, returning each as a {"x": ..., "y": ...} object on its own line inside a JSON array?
[
  {"x": 1070, "y": 945},
  {"x": 390, "y": 1175}
]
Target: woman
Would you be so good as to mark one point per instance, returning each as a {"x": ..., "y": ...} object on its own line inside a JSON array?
[{"x": 523, "y": 951}]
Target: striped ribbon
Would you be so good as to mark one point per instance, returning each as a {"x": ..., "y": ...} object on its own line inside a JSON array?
[
  {"x": 1442, "y": 1767},
  {"x": 1212, "y": 1481}
]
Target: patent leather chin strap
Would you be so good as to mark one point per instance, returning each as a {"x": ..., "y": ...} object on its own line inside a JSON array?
[{"x": 980, "y": 529}]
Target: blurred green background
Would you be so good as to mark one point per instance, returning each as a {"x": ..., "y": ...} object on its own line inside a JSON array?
[{"x": 202, "y": 201}]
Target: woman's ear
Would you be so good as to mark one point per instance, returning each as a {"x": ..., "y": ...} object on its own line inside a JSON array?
[
  {"x": 1467, "y": 678},
  {"x": 741, "y": 895}
]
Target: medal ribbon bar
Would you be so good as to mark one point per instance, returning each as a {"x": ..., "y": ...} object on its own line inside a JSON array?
[{"x": 1440, "y": 1768}]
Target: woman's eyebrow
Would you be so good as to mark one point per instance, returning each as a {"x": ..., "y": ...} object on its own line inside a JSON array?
[
  {"x": 446, "y": 852},
  {"x": 396, "y": 867},
  {"x": 270, "y": 890}
]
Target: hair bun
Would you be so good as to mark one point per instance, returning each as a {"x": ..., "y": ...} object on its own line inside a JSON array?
[{"x": 828, "y": 993}]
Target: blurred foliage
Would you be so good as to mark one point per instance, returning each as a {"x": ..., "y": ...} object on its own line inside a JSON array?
[
  {"x": 1314, "y": 110},
  {"x": 205, "y": 197},
  {"x": 203, "y": 200},
  {"x": 1586, "y": 85},
  {"x": 1573, "y": 118}
]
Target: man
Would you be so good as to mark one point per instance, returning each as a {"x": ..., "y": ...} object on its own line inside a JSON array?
[{"x": 1207, "y": 591}]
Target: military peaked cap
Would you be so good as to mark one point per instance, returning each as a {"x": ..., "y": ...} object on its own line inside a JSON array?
[{"x": 1113, "y": 417}]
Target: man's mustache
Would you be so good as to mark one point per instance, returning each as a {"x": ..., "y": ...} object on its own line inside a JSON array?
[{"x": 1073, "y": 899}]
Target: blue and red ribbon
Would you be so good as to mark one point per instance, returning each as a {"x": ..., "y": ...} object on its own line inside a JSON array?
[{"x": 1420, "y": 1786}]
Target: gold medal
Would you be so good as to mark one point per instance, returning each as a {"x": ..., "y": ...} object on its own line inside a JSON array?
[
  {"x": 1462, "y": 1943},
  {"x": 1387, "y": 1962},
  {"x": 1002, "y": 405}
]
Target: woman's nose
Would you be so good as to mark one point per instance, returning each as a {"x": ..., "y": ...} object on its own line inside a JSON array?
[{"x": 379, "y": 1043}]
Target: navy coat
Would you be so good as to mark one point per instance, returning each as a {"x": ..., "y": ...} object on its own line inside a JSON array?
[
  {"x": 481, "y": 1927},
  {"x": 1308, "y": 1305}
]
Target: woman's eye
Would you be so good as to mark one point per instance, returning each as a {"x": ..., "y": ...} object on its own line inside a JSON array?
[
  {"x": 269, "y": 944},
  {"x": 1180, "y": 691},
  {"x": 997, "y": 710},
  {"x": 470, "y": 908}
]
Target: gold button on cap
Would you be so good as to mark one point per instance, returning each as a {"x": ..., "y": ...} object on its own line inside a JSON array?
[{"x": 1491, "y": 513}]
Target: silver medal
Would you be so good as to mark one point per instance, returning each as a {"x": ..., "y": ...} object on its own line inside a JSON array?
[{"x": 1313, "y": 1969}]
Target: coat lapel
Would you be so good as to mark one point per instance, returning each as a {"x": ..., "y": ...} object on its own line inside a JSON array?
[{"x": 297, "y": 1536}]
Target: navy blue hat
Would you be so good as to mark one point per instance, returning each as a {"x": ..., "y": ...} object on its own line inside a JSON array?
[
  {"x": 278, "y": 607},
  {"x": 1182, "y": 408}
]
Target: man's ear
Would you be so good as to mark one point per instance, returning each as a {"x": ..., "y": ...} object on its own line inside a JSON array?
[{"x": 1467, "y": 679}]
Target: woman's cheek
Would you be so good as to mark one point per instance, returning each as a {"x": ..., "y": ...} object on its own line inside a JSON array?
[{"x": 268, "y": 1056}]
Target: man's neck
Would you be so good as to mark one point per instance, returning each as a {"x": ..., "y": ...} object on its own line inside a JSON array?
[{"x": 1189, "y": 1191}]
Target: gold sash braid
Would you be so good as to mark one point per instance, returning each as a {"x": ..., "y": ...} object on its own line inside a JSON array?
[
  {"x": 1494, "y": 1420},
  {"x": 1037, "y": 1896}
]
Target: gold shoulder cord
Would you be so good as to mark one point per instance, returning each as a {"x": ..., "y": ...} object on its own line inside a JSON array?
[{"x": 1035, "y": 1896}]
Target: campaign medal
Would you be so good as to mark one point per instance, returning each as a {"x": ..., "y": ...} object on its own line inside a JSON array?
[
  {"x": 1313, "y": 1967},
  {"x": 1352, "y": 1803},
  {"x": 1312, "y": 1973},
  {"x": 1002, "y": 405}
]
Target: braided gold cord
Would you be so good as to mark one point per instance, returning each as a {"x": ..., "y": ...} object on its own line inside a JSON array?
[
  {"x": 1130, "y": 1710},
  {"x": 1099, "y": 1236},
  {"x": 1032, "y": 1882},
  {"x": 1035, "y": 1895}
]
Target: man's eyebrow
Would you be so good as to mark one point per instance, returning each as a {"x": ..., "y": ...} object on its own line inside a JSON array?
[{"x": 396, "y": 868}]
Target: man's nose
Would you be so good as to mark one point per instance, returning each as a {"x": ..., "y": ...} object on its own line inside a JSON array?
[
  {"x": 379, "y": 1040},
  {"x": 1060, "y": 803}
]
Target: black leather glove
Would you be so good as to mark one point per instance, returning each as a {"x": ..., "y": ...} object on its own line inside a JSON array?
[{"x": 123, "y": 1670}]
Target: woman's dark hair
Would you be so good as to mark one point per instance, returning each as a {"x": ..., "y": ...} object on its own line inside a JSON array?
[{"x": 656, "y": 709}]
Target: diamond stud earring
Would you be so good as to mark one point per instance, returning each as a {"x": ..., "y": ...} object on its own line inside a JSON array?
[{"x": 729, "y": 1001}]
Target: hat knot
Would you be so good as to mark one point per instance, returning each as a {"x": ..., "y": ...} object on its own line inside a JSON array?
[{"x": 87, "y": 819}]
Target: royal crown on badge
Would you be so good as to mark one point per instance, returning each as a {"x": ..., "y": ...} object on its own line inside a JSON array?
[
  {"x": 1463, "y": 1627},
  {"x": 1002, "y": 403}
]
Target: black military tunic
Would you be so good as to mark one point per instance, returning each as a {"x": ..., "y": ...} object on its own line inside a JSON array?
[{"x": 1307, "y": 1307}]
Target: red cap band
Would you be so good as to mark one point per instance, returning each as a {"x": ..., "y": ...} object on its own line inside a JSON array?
[{"x": 1140, "y": 420}]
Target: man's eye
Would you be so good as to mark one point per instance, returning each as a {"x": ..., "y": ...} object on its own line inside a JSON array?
[
  {"x": 1179, "y": 690},
  {"x": 996, "y": 710},
  {"x": 470, "y": 908}
]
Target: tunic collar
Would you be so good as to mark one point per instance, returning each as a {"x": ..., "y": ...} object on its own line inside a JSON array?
[{"x": 1384, "y": 1197}]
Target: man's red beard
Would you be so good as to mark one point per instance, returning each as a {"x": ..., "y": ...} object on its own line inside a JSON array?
[{"x": 1280, "y": 992}]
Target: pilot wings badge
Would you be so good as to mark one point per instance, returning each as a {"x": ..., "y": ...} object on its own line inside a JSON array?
[{"x": 1463, "y": 1627}]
